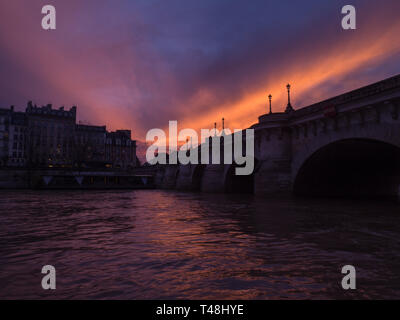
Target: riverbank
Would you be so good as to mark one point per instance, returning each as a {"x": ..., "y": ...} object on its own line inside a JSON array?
[{"x": 73, "y": 179}]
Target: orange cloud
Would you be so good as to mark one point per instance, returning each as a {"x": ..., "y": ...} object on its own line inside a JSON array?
[{"x": 305, "y": 74}]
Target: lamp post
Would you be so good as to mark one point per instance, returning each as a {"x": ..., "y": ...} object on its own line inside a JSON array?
[
  {"x": 289, "y": 107},
  {"x": 270, "y": 103}
]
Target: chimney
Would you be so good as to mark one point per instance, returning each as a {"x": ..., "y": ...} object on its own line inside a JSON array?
[
  {"x": 12, "y": 108},
  {"x": 73, "y": 111}
]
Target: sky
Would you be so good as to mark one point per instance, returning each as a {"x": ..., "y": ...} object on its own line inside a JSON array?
[{"x": 137, "y": 64}]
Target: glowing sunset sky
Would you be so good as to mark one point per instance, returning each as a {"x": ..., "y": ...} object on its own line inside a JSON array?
[{"x": 136, "y": 64}]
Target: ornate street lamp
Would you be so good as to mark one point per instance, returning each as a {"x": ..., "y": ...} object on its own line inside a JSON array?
[
  {"x": 270, "y": 103},
  {"x": 289, "y": 107}
]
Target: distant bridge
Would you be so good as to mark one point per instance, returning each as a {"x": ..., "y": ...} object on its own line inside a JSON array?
[{"x": 346, "y": 145}]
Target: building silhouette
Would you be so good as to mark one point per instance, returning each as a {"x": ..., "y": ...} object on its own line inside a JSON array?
[
  {"x": 120, "y": 149},
  {"x": 46, "y": 137}
]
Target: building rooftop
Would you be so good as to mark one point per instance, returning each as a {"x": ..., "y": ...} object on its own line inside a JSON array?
[
  {"x": 49, "y": 111},
  {"x": 86, "y": 127}
]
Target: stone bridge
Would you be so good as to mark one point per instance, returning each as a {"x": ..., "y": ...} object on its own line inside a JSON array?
[{"x": 346, "y": 145}]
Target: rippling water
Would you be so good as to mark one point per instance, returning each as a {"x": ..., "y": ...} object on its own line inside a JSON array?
[{"x": 170, "y": 245}]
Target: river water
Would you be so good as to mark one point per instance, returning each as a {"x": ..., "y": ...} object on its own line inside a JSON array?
[{"x": 151, "y": 244}]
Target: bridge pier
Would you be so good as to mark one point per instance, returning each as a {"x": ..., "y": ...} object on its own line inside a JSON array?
[
  {"x": 213, "y": 180},
  {"x": 159, "y": 176},
  {"x": 184, "y": 178},
  {"x": 273, "y": 177},
  {"x": 170, "y": 177},
  {"x": 274, "y": 153}
]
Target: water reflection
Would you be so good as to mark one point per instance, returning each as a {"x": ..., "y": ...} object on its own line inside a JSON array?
[{"x": 169, "y": 245}]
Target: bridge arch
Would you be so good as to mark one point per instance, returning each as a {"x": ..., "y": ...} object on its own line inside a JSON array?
[
  {"x": 189, "y": 177},
  {"x": 239, "y": 184},
  {"x": 350, "y": 167}
]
